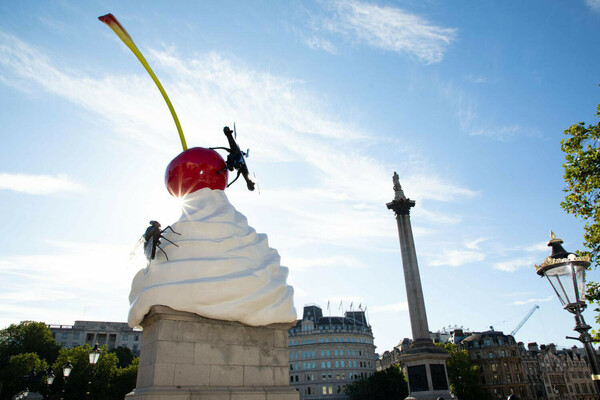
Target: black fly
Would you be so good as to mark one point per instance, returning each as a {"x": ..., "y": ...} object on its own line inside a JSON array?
[{"x": 152, "y": 238}]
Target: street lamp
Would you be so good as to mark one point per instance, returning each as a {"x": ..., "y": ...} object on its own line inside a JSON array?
[
  {"x": 50, "y": 377},
  {"x": 94, "y": 355},
  {"x": 67, "y": 368},
  {"x": 566, "y": 273}
]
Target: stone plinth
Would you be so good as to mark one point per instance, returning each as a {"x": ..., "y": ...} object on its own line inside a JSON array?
[
  {"x": 425, "y": 367},
  {"x": 188, "y": 357}
]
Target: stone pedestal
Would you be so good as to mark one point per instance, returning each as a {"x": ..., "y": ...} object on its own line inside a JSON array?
[
  {"x": 188, "y": 357},
  {"x": 425, "y": 368}
]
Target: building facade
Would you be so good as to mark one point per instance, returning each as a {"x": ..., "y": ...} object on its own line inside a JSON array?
[
  {"x": 328, "y": 353},
  {"x": 500, "y": 364},
  {"x": 566, "y": 374},
  {"x": 112, "y": 334}
]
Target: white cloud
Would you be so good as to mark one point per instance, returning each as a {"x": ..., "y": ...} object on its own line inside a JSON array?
[
  {"x": 528, "y": 301},
  {"x": 389, "y": 308},
  {"x": 501, "y": 133},
  {"x": 457, "y": 257},
  {"x": 83, "y": 276},
  {"x": 390, "y": 29},
  {"x": 474, "y": 244},
  {"x": 515, "y": 264},
  {"x": 476, "y": 78},
  {"x": 316, "y": 43},
  {"x": 277, "y": 118},
  {"x": 303, "y": 264},
  {"x": 38, "y": 184},
  {"x": 594, "y": 5}
]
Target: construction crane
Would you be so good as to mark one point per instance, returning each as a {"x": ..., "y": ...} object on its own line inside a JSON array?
[{"x": 524, "y": 320}]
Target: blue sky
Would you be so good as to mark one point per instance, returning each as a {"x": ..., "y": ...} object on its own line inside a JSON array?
[{"x": 467, "y": 101}]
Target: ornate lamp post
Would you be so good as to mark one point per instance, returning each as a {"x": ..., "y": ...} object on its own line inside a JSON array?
[
  {"x": 566, "y": 273},
  {"x": 94, "y": 355},
  {"x": 68, "y": 367},
  {"x": 49, "y": 380}
]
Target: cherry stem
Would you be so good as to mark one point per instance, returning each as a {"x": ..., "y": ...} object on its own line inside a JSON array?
[{"x": 116, "y": 26}]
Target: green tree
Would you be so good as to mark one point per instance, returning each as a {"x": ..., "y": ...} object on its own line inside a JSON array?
[
  {"x": 389, "y": 384},
  {"x": 84, "y": 377},
  {"x": 124, "y": 380},
  {"x": 27, "y": 337},
  {"x": 16, "y": 376},
  {"x": 124, "y": 355},
  {"x": 462, "y": 374},
  {"x": 582, "y": 199}
]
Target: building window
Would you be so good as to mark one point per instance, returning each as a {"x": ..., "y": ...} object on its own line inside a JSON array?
[
  {"x": 65, "y": 335},
  {"x": 324, "y": 389}
]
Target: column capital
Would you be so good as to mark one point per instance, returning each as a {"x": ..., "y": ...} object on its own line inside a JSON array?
[{"x": 401, "y": 206}]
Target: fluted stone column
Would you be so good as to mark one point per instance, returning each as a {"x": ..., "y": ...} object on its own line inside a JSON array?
[{"x": 424, "y": 363}]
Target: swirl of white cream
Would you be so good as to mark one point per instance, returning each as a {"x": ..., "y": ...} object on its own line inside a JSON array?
[{"x": 222, "y": 268}]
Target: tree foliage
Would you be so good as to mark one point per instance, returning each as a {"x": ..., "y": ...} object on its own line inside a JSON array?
[
  {"x": 462, "y": 374},
  {"x": 582, "y": 199},
  {"x": 22, "y": 372},
  {"x": 24, "y": 346},
  {"x": 28, "y": 337},
  {"x": 84, "y": 377},
  {"x": 389, "y": 384},
  {"x": 124, "y": 355}
]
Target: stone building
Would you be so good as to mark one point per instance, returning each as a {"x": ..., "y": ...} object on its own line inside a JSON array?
[
  {"x": 566, "y": 374},
  {"x": 500, "y": 365},
  {"x": 533, "y": 372},
  {"x": 112, "y": 334},
  {"x": 328, "y": 353}
]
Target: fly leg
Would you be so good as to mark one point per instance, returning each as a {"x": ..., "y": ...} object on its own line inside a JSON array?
[{"x": 166, "y": 256}]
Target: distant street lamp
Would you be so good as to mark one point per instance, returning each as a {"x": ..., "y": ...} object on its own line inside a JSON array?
[
  {"x": 566, "y": 273},
  {"x": 68, "y": 367},
  {"x": 94, "y": 355}
]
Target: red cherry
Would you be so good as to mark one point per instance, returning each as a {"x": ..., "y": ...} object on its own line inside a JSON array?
[{"x": 195, "y": 169}]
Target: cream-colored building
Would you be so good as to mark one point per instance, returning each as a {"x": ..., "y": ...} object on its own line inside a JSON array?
[
  {"x": 328, "y": 353},
  {"x": 112, "y": 334}
]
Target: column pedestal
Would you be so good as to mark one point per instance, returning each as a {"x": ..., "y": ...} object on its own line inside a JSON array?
[
  {"x": 425, "y": 368},
  {"x": 188, "y": 357}
]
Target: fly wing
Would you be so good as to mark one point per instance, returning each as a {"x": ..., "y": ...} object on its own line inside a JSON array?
[
  {"x": 148, "y": 246},
  {"x": 137, "y": 257}
]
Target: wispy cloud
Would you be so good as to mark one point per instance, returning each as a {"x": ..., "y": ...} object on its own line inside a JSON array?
[
  {"x": 390, "y": 29},
  {"x": 38, "y": 184},
  {"x": 303, "y": 264},
  {"x": 515, "y": 264},
  {"x": 64, "y": 277},
  {"x": 389, "y": 308},
  {"x": 594, "y": 5},
  {"x": 528, "y": 301},
  {"x": 456, "y": 258},
  {"x": 471, "y": 122},
  {"x": 502, "y": 133},
  {"x": 457, "y": 254},
  {"x": 316, "y": 43},
  {"x": 476, "y": 78},
  {"x": 282, "y": 121}
]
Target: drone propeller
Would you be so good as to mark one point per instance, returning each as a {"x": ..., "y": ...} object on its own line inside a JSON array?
[{"x": 234, "y": 132}]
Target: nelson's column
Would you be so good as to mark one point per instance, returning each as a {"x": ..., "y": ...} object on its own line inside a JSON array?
[{"x": 425, "y": 364}]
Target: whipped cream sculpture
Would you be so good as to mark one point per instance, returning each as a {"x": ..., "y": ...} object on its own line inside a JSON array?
[
  {"x": 218, "y": 267},
  {"x": 222, "y": 269}
]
